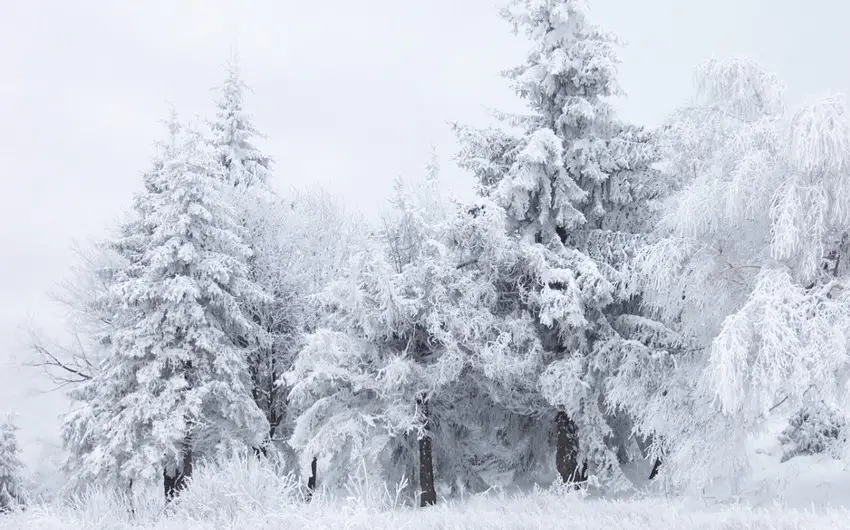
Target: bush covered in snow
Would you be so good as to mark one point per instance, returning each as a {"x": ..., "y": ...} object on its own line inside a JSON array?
[{"x": 814, "y": 429}]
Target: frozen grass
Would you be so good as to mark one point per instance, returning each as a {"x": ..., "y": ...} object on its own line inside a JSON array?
[{"x": 249, "y": 494}]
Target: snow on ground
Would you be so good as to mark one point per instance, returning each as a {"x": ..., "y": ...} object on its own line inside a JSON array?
[
  {"x": 532, "y": 511},
  {"x": 805, "y": 493}
]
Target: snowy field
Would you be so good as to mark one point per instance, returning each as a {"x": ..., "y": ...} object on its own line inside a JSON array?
[
  {"x": 531, "y": 511},
  {"x": 805, "y": 493}
]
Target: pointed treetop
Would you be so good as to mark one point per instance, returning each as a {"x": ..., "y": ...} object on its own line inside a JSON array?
[
  {"x": 234, "y": 132},
  {"x": 174, "y": 127},
  {"x": 433, "y": 166}
]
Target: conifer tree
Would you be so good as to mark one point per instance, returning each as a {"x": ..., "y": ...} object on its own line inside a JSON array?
[
  {"x": 10, "y": 467},
  {"x": 247, "y": 170},
  {"x": 233, "y": 134},
  {"x": 174, "y": 383},
  {"x": 576, "y": 182}
]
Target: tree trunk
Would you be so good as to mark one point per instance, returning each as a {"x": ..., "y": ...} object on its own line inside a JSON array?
[
  {"x": 311, "y": 482},
  {"x": 176, "y": 481},
  {"x": 655, "y": 466},
  {"x": 426, "y": 465},
  {"x": 566, "y": 452}
]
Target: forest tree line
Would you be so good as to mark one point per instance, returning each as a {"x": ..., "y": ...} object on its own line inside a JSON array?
[{"x": 615, "y": 297}]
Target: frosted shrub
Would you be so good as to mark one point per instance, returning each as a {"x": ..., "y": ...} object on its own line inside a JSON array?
[
  {"x": 814, "y": 429},
  {"x": 223, "y": 489}
]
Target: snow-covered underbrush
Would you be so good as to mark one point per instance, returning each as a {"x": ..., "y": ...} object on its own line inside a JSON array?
[{"x": 247, "y": 493}]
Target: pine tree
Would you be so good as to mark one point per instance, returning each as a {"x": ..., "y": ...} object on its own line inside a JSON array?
[
  {"x": 10, "y": 467},
  {"x": 92, "y": 314},
  {"x": 174, "y": 383},
  {"x": 577, "y": 186},
  {"x": 261, "y": 213},
  {"x": 233, "y": 134}
]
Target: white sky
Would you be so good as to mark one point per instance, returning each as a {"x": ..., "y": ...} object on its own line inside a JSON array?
[{"x": 351, "y": 94}]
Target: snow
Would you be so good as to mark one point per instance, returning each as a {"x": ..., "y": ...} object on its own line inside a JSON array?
[
  {"x": 587, "y": 317},
  {"x": 806, "y": 493}
]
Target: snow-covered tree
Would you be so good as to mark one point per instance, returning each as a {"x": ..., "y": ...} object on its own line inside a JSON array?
[
  {"x": 174, "y": 381},
  {"x": 579, "y": 190},
  {"x": 11, "y": 494},
  {"x": 814, "y": 429},
  {"x": 267, "y": 220},
  {"x": 234, "y": 133},
  {"x": 753, "y": 265},
  {"x": 303, "y": 240},
  {"x": 367, "y": 378},
  {"x": 91, "y": 314}
]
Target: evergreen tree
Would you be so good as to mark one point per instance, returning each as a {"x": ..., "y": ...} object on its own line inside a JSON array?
[
  {"x": 578, "y": 186},
  {"x": 234, "y": 132},
  {"x": 174, "y": 383},
  {"x": 92, "y": 314},
  {"x": 262, "y": 215},
  {"x": 10, "y": 467}
]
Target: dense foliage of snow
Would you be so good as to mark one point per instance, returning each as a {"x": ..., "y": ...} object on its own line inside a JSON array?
[
  {"x": 175, "y": 378},
  {"x": 579, "y": 190},
  {"x": 751, "y": 264}
]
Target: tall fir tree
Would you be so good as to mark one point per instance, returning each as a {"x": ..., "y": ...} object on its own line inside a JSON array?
[
  {"x": 233, "y": 134},
  {"x": 247, "y": 170},
  {"x": 578, "y": 182},
  {"x": 175, "y": 383}
]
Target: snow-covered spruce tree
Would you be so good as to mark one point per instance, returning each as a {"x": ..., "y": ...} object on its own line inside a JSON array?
[
  {"x": 275, "y": 254},
  {"x": 753, "y": 267},
  {"x": 91, "y": 314},
  {"x": 577, "y": 186},
  {"x": 10, "y": 466},
  {"x": 174, "y": 378},
  {"x": 247, "y": 173},
  {"x": 233, "y": 133},
  {"x": 95, "y": 314}
]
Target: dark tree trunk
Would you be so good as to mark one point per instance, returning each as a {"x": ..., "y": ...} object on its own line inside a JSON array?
[
  {"x": 130, "y": 498},
  {"x": 566, "y": 452},
  {"x": 176, "y": 482},
  {"x": 655, "y": 466},
  {"x": 311, "y": 482},
  {"x": 426, "y": 464}
]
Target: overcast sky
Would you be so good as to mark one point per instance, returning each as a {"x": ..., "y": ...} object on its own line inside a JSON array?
[{"x": 351, "y": 94}]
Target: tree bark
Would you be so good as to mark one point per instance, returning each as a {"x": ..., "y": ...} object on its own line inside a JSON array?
[
  {"x": 428, "y": 495},
  {"x": 566, "y": 452},
  {"x": 655, "y": 466},
  {"x": 176, "y": 481},
  {"x": 311, "y": 482}
]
